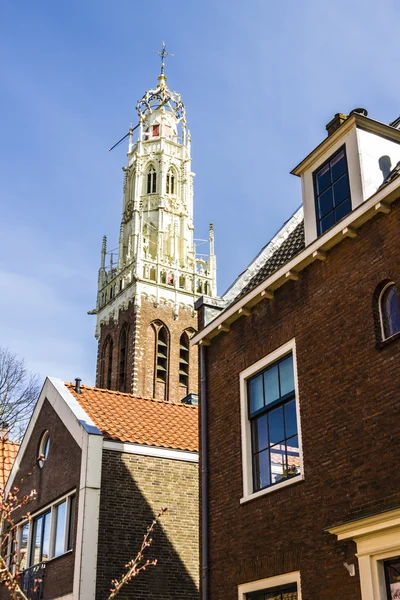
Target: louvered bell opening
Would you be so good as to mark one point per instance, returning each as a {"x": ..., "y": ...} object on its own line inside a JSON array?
[
  {"x": 185, "y": 348},
  {"x": 183, "y": 361},
  {"x": 161, "y": 355},
  {"x": 183, "y": 379}
]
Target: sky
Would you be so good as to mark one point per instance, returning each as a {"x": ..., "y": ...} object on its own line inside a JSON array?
[{"x": 260, "y": 80}]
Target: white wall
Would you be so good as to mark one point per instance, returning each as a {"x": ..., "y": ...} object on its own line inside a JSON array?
[{"x": 371, "y": 148}]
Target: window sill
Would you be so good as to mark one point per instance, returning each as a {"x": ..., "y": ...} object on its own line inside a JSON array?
[
  {"x": 272, "y": 488},
  {"x": 388, "y": 341}
]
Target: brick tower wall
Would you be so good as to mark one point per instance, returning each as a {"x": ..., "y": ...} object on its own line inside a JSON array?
[{"x": 141, "y": 349}]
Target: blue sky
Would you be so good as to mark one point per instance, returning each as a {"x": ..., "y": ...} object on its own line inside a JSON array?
[{"x": 260, "y": 80}]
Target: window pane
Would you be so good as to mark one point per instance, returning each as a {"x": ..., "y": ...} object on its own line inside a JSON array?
[
  {"x": 327, "y": 222},
  {"x": 286, "y": 375},
  {"x": 323, "y": 179},
  {"x": 36, "y": 541},
  {"x": 293, "y": 456},
  {"x": 342, "y": 210},
  {"x": 260, "y": 433},
  {"x": 278, "y": 463},
  {"x": 338, "y": 165},
  {"x": 341, "y": 190},
  {"x": 391, "y": 311},
  {"x": 325, "y": 202},
  {"x": 59, "y": 542},
  {"x": 290, "y": 419},
  {"x": 23, "y": 546},
  {"x": 276, "y": 428},
  {"x": 262, "y": 470},
  {"x": 271, "y": 384},
  {"x": 71, "y": 524},
  {"x": 256, "y": 393},
  {"x": 45, "y": 554}
]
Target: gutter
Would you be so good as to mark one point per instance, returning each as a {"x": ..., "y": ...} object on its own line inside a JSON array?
[{"x": 204, "y": 474}]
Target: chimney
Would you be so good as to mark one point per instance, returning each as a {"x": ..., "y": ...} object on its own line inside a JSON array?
[
  {"x": 78, "y": 385},
  {"x": 335, "y": 123},
  {"x": 4, "y": 430}
]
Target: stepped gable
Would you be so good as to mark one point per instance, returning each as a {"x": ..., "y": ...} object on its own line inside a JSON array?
[
  {"x": 291, "y": 246},
  {"x": 135, "y": 419},
  {"x": 8, "y": 452}
]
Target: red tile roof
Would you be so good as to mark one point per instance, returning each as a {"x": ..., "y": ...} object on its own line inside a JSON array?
[
  {"x": 128, "y": 418},
  {"x": 8, "y": 452}
]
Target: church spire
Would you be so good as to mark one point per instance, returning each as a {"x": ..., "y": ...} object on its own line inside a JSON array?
[{"x": 156, "y": 278}]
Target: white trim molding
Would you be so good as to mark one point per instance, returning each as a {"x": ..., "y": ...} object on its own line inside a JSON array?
[
  {"x": 248, "y": 494},
  {"x": 270, "y": 582},
  {"x": 151, "y": 451},
  {"x": 378, "y": 539}
]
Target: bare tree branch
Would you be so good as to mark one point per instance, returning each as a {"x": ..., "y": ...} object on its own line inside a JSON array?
[
  {"x": 19, "y": 390},
  {"x": 138, "y": 564}
]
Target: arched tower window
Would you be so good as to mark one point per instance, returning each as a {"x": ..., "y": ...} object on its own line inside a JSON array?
[
  {"x": 151, "y": 181},
  {"x": 184, "y": 360},
  {"x": 162, "y": 354},
  {"x": 170, "y": 182},
  {"x": 123, "y": 352},
  {"x": 389, "y": 310},
  {"x": 106, "y": 364}
]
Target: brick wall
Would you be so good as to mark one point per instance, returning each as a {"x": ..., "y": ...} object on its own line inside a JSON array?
[
  {"x": 349, "y": 403},
  {"x": 59, "y": 475},
  {"x": 141, "y": 350},
  {"x": 133, "y": 490}
]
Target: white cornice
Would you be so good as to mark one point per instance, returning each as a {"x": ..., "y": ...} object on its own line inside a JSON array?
[
  {"x": 366, "y": 526},
  {"x": 154, "y": 451},
  {"x": 347, "y": 227}
]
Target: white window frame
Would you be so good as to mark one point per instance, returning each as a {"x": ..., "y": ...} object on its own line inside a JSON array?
[
  {"x": 52, "y": 507},
  {"x": 270, "y": 582},
  {"x": 377, "y": 539},
  {"x": 42, "y": 448},
  {"x": 247, "y": 467}
]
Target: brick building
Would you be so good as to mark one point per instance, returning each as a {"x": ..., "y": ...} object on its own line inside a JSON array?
[
  {"x": 301, "y": 388},
  {"x": 115, "y": 454},
  {"x": 111, "y": 461}
]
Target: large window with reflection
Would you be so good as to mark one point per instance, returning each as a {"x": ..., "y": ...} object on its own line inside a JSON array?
[
  {"x": 332, "y": 191},
  {"x": 47, "y": 535},
  {"x": 273, "y": 419}
]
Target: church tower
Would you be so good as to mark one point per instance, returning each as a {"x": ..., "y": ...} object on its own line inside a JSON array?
[{"x": 146, "y": 295}]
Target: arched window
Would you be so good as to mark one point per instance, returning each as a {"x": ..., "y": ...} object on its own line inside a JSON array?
[
  {"x": 389, "y": 310},
  {"x": 162, "y": 353},
  {"x": 106, "y": 364},
  {"x": 170, "y": 182},
  {"x": 151, "y": 181},
  {"x": 123, "y": 352},
  {"x": 184, "y": 360}
]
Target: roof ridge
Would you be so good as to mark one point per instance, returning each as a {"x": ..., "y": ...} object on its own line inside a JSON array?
[{"x": 127, "y": 394}]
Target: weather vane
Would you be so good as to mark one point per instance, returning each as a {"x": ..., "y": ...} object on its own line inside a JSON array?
[{"x": 163, "y": 53}]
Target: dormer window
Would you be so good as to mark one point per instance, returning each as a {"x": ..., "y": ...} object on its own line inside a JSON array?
[{"x": 332, "y": 191}]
